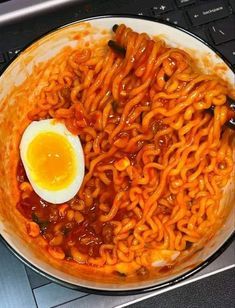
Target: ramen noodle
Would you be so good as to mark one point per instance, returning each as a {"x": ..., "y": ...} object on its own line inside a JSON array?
[{"x": 156, "y": 161}]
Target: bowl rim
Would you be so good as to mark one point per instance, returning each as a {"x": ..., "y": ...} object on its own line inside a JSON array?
[
  {"x": 146, "y": 289},
  {"x": 131, "y": 16},
  {"x": 143, "y": 290}
]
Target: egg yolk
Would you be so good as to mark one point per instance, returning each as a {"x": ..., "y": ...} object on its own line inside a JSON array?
[{"x": 51, "y": 160}]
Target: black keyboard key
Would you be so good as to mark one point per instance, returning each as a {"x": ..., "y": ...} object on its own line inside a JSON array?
[
  {"x": 143, "y": 12},
  {"x": 13, "y": 53},
  {"x": 232, "y": 3},
  {"x": 1, "y": 67},
  {"x": 136, "y": 11},
  {"x": 162, "y": 6},
  {"x": 200, "y": 32},
  {"x": 208, "y": 12},
  {"x": 176, "y": 18},
  {"x": 228, "y": 50},
  {"x": 181, "y": 3},
  {"x": 2, "y": 58},
  {"x": 137, "y": 7},
  {"x": 223, "y": 31}
]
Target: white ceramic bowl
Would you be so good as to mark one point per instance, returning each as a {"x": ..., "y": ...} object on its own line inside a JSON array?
[{"x": 10, "y": 129}]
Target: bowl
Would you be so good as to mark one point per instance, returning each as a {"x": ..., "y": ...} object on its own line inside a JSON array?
[{"x": 13, "y": 120}]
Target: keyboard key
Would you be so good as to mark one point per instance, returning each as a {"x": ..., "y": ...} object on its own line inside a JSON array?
[
  {"x": 228, "y": 50},
  {"x": 181, "y": 3},
  {"x": 223, "y": 30},
  {"x": 176, "y": 18},
  {"x": 136, "y": 11},
  {"x": 232, "y": 3},
  {"x": 1, "y": 67},
  {"x": 143, "y": 12},
  {"x": 137, "y": 7},
  {"x": 208, "y": 12},
  {"x": 162, "y": 6},
  {"x": 2, "y": 58},
  {"x": 13, "y": 53},
  {"x": 200, "y": 32}
]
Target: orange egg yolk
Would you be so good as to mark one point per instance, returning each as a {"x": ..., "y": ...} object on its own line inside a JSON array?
[{"x": 51, "y": 160}]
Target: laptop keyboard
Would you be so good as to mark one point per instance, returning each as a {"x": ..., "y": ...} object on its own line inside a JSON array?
[{"x": 213, "y": 21}]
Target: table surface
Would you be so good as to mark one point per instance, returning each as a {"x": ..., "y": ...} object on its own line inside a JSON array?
[
  {"x": 214, "y": 291},
  {"x": 21, "y": 287}
]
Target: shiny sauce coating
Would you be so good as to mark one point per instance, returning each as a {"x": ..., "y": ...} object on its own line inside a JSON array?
[{"x": 87, "y": 236}]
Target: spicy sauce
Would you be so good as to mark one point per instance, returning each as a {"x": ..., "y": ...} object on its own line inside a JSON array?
[{"x": 87, "y": 236}]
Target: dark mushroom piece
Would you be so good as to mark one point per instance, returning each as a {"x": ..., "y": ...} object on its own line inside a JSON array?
[
  {"x": 231, "y": 117},
  {"x": 115, "y": 28},
  {"x": 117, "y": 48}
]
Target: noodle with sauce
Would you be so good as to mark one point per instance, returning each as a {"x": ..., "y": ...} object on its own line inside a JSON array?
[{"x": 156, "y": 161}]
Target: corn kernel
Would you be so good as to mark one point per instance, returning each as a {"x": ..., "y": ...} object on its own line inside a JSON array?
[
  {"x": 62, "y": 209},
  {"x": 25, "y": 186},
  {"x": 56, "y": 252},
  {"x": 70, "y": 215},
  {"x": 78, "y": 217},
  {"x": 57, "y": 240},
  {"x": 33, "y": 229},
  {"x": 78, "y": 256},
  {"x": 122, "y": 164}
]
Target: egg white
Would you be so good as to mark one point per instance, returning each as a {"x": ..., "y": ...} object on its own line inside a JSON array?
[{"x": 44, "y": 126}]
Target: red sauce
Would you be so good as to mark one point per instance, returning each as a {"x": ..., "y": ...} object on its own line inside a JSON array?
[
  {"x": 165, "y": 269},
  {"x": 87, "y": 235}
]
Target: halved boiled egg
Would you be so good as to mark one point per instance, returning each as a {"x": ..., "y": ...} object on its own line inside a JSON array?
[{"x": 53, "y": 160}]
